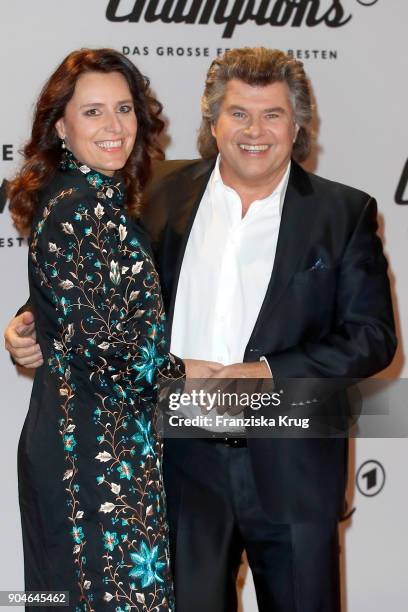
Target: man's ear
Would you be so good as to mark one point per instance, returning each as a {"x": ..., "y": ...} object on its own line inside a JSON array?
[
  {"x": 60, "y": 127},
  {"x": 297, "y": 128},
  {"x": 213, "y": 130}
]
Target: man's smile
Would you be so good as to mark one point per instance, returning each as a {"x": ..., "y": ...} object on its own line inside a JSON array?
[{"x": 254, "y": 148}]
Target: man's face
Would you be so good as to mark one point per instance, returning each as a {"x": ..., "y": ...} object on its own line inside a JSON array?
[{"x": 255, "y": 132}]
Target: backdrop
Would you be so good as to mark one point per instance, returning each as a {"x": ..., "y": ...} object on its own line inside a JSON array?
[{"x": 355, "y": 54}]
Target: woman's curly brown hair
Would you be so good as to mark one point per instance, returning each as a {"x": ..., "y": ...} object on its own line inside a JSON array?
[{"x": 43, "y": 151}]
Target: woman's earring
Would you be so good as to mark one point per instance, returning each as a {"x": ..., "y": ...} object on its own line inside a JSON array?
[{"x": 63, "y": 145}]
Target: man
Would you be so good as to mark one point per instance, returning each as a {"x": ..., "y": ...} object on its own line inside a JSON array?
[{"x": 270, "y": 271}]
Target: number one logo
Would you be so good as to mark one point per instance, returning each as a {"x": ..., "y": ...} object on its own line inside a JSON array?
[{"x": 370, "y": 478}]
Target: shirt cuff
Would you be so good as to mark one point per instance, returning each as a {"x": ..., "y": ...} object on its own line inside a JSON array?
[{"x": 264, "y": 359}]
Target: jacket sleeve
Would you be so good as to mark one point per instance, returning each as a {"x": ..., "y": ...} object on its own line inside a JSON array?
[
  {"x": 24, "y": 308},
  {"x": 362, "y": 339}
]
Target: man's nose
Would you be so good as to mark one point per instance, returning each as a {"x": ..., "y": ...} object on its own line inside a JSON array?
[{"x": 254, "y": 127}]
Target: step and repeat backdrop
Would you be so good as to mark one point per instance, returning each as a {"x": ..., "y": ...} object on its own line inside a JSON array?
[{"x": 355, "y": 53}]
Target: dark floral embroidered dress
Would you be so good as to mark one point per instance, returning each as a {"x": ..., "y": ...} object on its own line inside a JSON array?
[{"x": 90, "y": 476}]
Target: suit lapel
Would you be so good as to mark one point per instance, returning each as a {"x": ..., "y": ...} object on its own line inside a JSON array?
[
  {"x": 190, "y": 190},
  {"x": 298, "y": 218}
]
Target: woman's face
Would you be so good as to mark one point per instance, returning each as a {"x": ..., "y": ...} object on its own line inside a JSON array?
[{"x": 99, "y": 125}]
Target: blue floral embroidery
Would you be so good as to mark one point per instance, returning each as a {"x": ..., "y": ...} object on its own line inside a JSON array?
[
  {"x": 125, "y": 470},
  {"x": 69, "y": 443},
  {"x": 110, "y": 540},
  {"x": 144, "y": 437},
  {"x": 77, "y": 534},
  {"x": 147, "y": 565}
]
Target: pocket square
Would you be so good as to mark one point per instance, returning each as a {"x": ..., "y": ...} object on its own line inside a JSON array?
[{"x": 318, "y": 265}]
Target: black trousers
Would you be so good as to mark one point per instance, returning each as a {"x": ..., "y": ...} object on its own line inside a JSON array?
[{"x": 214, "y": 514}]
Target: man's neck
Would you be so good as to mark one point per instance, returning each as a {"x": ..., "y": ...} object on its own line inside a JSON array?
[
  {"x": 249, "y": 195},
  {"x": 248, "y": 192}
]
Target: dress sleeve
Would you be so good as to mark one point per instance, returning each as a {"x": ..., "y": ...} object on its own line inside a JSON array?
[
  {"x": 104, "y": 289},
  {"x": 172, "y": 369}
]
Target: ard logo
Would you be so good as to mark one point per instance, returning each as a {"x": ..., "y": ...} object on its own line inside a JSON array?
[{"x": 370, "y": 479}]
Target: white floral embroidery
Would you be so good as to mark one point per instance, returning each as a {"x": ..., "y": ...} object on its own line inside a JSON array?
[
  {"x": 107, "y": 507},
  {"x": 67, "y": 228},
  {"x": 66, "y": 284},
  {"x": 105, "y": 456},
  {"x": 115, "y": 488},
  {"x": 136, "y": 268},
  {"x": 122, "y": 232},
  {"x": 114, "y": 272},
  {"x": 99, "y": 211}
]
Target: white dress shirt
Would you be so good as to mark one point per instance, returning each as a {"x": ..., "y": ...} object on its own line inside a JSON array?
[{"x": 225, "y": 272}]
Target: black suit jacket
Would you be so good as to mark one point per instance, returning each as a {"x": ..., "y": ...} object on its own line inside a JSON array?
[{"x": 327, "y": 314}]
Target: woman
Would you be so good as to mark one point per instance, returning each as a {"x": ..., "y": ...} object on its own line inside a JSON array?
[{"x": 90, "y": 479}]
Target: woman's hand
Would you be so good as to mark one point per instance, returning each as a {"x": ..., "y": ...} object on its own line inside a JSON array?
[{"x": 20, "y": 341}]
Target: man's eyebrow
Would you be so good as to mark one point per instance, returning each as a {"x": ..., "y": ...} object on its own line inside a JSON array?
[
  {"x": 236, "y": 107},
  {"x": 274, "y": 109}
]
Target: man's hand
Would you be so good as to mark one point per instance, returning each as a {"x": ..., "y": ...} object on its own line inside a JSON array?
[
  {"x": 198, "y": 368},
  {"x": 20, "y": 341},
  {"x": 241, "y": 378},
  {"x": 256, "y": 369},
  {"x": 198, "y": 373}
]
